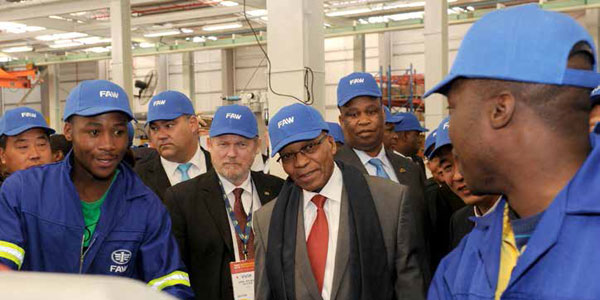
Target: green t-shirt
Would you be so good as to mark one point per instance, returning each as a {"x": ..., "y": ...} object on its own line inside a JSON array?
[{"x": 91, "y": 214}]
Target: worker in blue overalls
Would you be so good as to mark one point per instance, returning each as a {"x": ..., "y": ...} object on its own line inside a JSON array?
[
  {"x": 90, "y": 213},
  {"x": 518, "y": 95}
]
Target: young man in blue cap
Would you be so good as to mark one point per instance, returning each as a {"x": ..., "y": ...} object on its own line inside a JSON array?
[
  {"x": 173, "y": 129},
  {"x": 518, "y": 94},
  {"x": 410, "y": 135},
  {"x": 211, "y": 212},
  {"x": 333, "y": 233},
  {"x": 24, "y": 140},
  {"x": 362, "y": 117},
  {"x": 90, "y": 213}
]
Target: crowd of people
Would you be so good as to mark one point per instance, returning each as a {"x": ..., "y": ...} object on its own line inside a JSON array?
[{"x": 509, "y": 211}]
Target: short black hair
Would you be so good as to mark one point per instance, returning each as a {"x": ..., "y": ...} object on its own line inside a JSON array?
[
  {"x": 3, "y": 141},
  {"x": 59, "y": 142},
  {"x": 562, "y": 108}
]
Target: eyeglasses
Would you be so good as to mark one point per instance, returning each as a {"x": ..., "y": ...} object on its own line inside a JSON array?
[{"x": 309, "y": 148}]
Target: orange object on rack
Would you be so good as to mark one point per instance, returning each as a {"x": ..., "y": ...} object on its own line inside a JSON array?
[{"x": 17, "y": 79}]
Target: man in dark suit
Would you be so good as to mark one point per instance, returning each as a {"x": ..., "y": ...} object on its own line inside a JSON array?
[
  {"x": 202, "y": 219},
  {"x": 333, "y": 233},
  {"x": 173, "y": 130},
  {"x": 362, "y": 119}
]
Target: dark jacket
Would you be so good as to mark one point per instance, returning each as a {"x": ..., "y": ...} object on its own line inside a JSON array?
[
  {"x": 152, "y": 173},
  {"x": 461, "y": 225},
  {"x": 201, "y": 227},
  {"x": 409, "y": 175},
  {"x": 441, "y": 203}
]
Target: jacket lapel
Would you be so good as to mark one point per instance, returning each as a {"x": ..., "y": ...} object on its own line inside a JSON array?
[
  {"x": 264, "y": 190},
  {"x": 161, "y": 180},
  {"x": 400, "y": 166},
  {"x": 488, "y": 246},
  {"x": 302, "y": 261},
  {"x": 216, "y": 208},
  {"x": 343, "y": 247},
  {"x": 347, "y": 155},
  {"x": 543, "y": 238}
]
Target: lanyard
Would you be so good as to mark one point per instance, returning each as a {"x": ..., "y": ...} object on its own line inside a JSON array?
[{"x": 244, "y": 236}]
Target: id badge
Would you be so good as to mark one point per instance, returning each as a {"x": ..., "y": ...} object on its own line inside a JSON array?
[{"x": 242, "y": 277}]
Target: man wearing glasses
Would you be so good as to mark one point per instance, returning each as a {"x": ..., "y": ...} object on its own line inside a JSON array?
[
  {"x": 333, "y": 233},
  {"x": 212, "y": 212}
]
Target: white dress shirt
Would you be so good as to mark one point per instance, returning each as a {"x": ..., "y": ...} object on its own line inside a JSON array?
[
  {"x": 250, "y": 200},
  {"x": 333, "y": 192},
  {"x": 198, "y": 167},
  {"x": 477, "y": 214},
  {"x": 387, "y": 165}
]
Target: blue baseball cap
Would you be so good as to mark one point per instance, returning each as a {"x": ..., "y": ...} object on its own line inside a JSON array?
[
  {"x": 523, "y": 43},
  {"x": 335, "y": 130},
  {"x": 409, "y": 122},
  {"x": 169, "y": 105},
  {"x": 355, "y": 85},
  {"x": 389, "y": 117},
  {"x": 294, "y": 123},
  {"x": 595, "y": 96},
  {"x": 94, "y": 97},
  {"x": 17, "y": 120},
  {"x": 234, "y": 119},
  {"x": 430, "y": 143},
  {"x": 442, "y": 138}
]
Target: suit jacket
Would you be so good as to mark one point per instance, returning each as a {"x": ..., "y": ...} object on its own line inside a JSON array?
[
  {"x": 461, "y": 225},
  {"x": 152, "y": 173},
  {"x": 201, "y": 227},
  {"x": 409, "y": 175},
  {"x": 391, "y": 206},
  {"x": 441, "y": 203}
]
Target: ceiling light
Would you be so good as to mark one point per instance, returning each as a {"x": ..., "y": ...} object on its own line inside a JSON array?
[
  {"x": 81, "y": 13},
  {"x": 11, "y": 27},
  {"x": 162, "y": 33},
  {"x": 98, "y": 49},
  {"x": 61, "y": 36},
  {"x": 257, "y": 13},
  {"x": 5, "y": 58},
  {"x": 221, "y": 26},
  {"x": 212, "y": 38},
  {"x": 470, "y": 8},
  {"x": 56, "y": 17},
  {"x": 18, "y": 49},
  {"x": 199, "y": 39},
  {"x": 65, "y": 45},
  {"x": 146, "y": 45},
  {"x": 229, "y": 3},
  {"x": 186, "y": 30},
  {"x": 355, "y": 11},
  {"x": 265, "y": 18},
  {"x": 93, "y": 40}
]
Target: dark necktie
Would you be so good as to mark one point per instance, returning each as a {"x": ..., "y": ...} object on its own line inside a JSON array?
[{"x": 241, "y": 217}]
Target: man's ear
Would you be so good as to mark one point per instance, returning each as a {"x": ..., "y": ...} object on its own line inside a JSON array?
[
  {"x": 194, "y": 124},
  {"x": 68, "y": 131},
  {"x": 3, "y": 155},
  {"x": 501, "y": 109}
]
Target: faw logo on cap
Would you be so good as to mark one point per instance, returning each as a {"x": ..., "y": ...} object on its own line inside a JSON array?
[
  {"x": 286, "y": 121},
  {"x": 233, "y": 116},
  {"x": 108, "y": 94},
  {"x": 28, "y": 115},
  {"x": 446, "y": 125},
  {"x": 159, "y": 102},
  {"x": 357, "y": 80}
]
